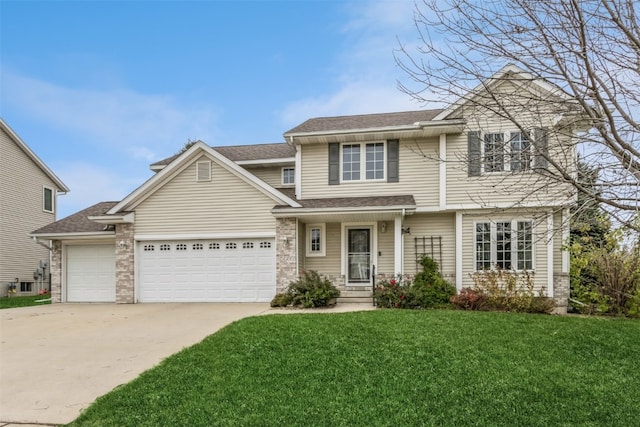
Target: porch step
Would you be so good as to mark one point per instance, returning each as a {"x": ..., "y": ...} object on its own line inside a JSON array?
[
  {"x": 342, "y": 300},
  {"x": 355, "y": 297}
]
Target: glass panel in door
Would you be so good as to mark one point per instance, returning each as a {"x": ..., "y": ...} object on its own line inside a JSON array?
[{"x": 359, "y": 255}]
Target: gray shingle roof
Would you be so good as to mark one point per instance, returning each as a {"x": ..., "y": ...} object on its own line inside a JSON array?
[
  {"x": 237, "y": 153},
  {"x": 365, "y": 121},
  {"x": 355, "y": 202},
  {"x": 79, "y": 221}
]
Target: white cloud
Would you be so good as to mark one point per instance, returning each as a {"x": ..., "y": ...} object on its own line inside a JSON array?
[
  {"x": 139, "y": 125},
  {"x": 91, "y": 183},
  {"x": 367, "y": 81}
]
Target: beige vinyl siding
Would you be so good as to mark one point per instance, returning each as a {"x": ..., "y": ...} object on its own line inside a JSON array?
[
  {"x": 386, "y": 252},
  {"x": 21, "y": 198},
  {"x": 331, "y": 262},
  {"x": 505, "y": 187},
  {"x": 418, "y": 166},
  {"x": 539, "y": 238},
  {"x": 428, "y": 225},
  {"x": 271, "y": 175},
  {"x": 226, "y": 204}
]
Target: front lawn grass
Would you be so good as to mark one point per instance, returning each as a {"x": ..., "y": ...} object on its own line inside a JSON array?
[
  {"x": 392, "y": 368},
  {"x": 12, "y": 302}
]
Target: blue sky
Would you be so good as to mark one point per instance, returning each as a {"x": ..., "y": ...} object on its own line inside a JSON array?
[{"x": 101, "y": 89}]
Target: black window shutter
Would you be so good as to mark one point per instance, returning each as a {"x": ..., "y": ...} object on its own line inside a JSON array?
[
  {"x": 393, "y": 155},
  {"x": 334, "y": 163},
  {"x": 541, "y": 146},
  {"x": 475, "y": 154}
]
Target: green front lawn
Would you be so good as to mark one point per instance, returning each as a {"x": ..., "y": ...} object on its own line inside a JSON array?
[
  {"x": 392, "y": 368},
  {"x": 27, "y": 301}
]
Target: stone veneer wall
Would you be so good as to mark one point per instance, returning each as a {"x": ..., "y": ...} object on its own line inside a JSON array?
[
  {"x": 56, "y": 271},
  {"x": 124, "y": 264},
  {"x": 286, "y": 253},
  {"x": 561, "y": 291}
]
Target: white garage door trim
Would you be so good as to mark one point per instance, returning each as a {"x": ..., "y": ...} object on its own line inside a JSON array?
[
  {"x": 213, "y": 270},
  {"x": 90, "y": 273}
]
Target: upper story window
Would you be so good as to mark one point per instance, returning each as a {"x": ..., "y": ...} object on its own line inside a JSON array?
[
  {"x": 371, "y": 161},
  {"x": 363, "y": 161},
  {"x": 288, "y": 176},
  {"x": 507, "y": 245},
  {"x": 507, "y": 151},
  {"x": 47, "y": 199}
]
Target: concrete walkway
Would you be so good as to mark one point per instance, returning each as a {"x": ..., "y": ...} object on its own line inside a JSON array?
[{"x": 55, "y": 360}]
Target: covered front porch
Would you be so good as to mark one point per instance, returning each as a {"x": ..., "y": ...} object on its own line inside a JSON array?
[{"x": 351, "y": 241}]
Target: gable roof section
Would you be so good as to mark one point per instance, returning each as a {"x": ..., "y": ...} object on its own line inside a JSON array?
[
  {"x": 24, "y": 147},
  {"x": 244, "y": 153},
  {"x": 184, "y": 159},
  {"x": 364, "y": 121},
  {"x": 509, "y": 72},
  {"x": 78, "y": 224}
]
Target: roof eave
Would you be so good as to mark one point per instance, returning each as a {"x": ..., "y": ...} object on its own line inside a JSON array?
[
  {"x": 415, "y": 130},
  {"x": 74, "y": 235},
  {"x": 126, "y": 218},
  {"x": 285, "y": 212}
]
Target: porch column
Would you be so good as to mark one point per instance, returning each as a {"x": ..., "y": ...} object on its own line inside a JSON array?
[
  {"x": 286, "y": 252},
  {"x": 124, "y": 264},
  {"x": 397, "y": 246}
]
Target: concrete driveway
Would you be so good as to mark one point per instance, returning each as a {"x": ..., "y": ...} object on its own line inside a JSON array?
[{"x": 55, "y": 360}]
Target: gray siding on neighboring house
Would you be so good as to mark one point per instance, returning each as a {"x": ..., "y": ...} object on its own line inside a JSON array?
[
  {"x": 226, "y": 204},
  {"x": 21, "y": 212}
]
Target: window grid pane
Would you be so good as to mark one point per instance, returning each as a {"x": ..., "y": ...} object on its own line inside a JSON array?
[
  {"x": 351, "y": 162},
  {"x": 525, "y": 245},
  {"x": 493, "y": 152},
  {"x": 483, "y": 246},
  {"x": 315, "y": 240},
  {"x": 375, "y": 161},
  {"x": 520, "y": 152},
  {"x": 288, "y": 176},
  {"x": 503, "y": 245}
]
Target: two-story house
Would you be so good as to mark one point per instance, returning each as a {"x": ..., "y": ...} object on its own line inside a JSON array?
[
  {"x": 28, "y": 199},
  {"x": 353, "y": 197}
]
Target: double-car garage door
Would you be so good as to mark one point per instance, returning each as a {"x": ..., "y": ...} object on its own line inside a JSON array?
[
  {"x": 232, "y": 270},
  {"x": 222, "y": 270}
]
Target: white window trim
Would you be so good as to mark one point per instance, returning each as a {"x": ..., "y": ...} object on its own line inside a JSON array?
[
  {"x": 506, "y": 163},
  {"x": 53, "y": 199},
  {"x": 514, "y": 246},
  {"x": 343, "y": 245},
  {"x": 282, "y": 175},
  {"x": 323, "y": 240},
  {"x": 363, "y": 162}
]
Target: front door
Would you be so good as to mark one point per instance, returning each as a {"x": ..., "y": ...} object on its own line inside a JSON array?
[{"x": 359, "y": 255}]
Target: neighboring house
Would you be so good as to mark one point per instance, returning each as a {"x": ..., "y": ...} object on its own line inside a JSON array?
[
  {"x": 28, "y": 199},
  {"x": 351, "y": 197}
]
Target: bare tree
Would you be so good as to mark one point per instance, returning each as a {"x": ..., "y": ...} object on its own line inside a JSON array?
[{"x": 589, "y": 49}]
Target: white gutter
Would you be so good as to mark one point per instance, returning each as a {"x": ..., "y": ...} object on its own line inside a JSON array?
[
  {"x": 128, "y": 218},
  {"x": 286, "y": 212},
  {"x": 266, "y": 161},
  {"x": 74, "y": 236}
]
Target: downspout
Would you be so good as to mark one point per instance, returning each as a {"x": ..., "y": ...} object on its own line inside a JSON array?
[{"x": 402, "y": 246}]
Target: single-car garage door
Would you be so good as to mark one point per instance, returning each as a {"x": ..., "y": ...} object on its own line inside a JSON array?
[
  {"x": 230, "y": 270},
  {"x": 91, "y": 273}
]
